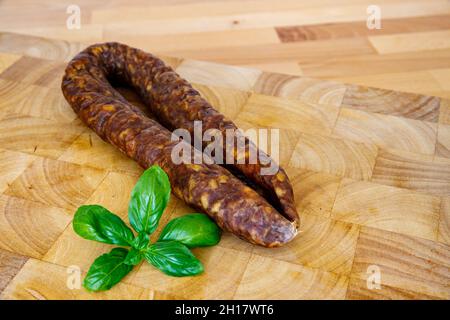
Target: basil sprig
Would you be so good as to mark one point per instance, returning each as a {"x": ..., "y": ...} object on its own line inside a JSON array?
[{"x": 170, "y": 253}]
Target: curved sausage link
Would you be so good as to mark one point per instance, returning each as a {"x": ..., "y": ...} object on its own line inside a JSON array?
[{"x": 209, "y": 188}]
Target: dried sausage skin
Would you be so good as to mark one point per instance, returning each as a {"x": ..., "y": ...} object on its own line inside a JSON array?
[{"x": 207, "y": 187}]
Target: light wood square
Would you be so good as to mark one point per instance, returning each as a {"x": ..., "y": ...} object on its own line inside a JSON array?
[
  {"x": 89, "y": 149},
  {"x": 443, "y": 141},
  {"x": 314, "y": 192},
  {"x": 288, "y": 281},
  {"x": 37, "y": 136},
  {"x": 338, "y": 157},
  {"x": 29, "y": 228},
  {"x": 386, "y": 131},
  {"x": 408, "y": 105},
  {"x": 219, "y": 75},
  {"x": 12, "y": 164},
  {"x": 38, "y": 47},
  {"x": 227, "y": 101},
  {"x": 72, "y": 250},
  {"x": 6, "y": 60},
  {"x": 304, "y": 88},
  {"x": 388, "y": 208},
  {"x": 404, "y": 262},
  {"x": 10, "y": 264},
  {"x": 358, "y": 289},
  {"x": 274, "y": 112},
  {"x": 41, "y": 72},
  {"x": 413, "y": 171},
  {"x": 444, "y": 221},
  {"x": 34, "y": 101},
  {"x": 223, "y": 271},
  {"x": 321, "y": 243},
  {"x": 444, "y": 112},
  {"x": 56, "y": 183},
  {"x": 39, "y": 280}
]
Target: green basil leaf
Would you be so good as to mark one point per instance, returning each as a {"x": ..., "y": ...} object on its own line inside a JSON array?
[
  {"x": 107, "y": 270},
  {"x": 149, "y": 199},
  {"x": 193, "y": 230},
  {"x": 141, "y": 241},
  {"x": 173, "y": 258},
  {"x": 133, "y": 257},
  {"x": 94, "y": 222}
]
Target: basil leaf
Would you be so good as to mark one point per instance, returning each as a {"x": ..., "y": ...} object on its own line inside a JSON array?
[
  {"x": 141, "y": 241},
  {"x": 149, "y": 199},
  {"x": 107, "y": 270},
  {"x": 173, "y": 258},
  {"x": 133, "y": 257},
  {"x": 193, "y": 230},
  {"x": 94, "y": 222}
]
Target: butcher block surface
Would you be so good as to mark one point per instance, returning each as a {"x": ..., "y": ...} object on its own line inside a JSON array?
[{"x": 370, "y": 170}]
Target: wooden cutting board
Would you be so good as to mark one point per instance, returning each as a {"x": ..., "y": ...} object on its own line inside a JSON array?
[{"x": 370, "y": 170}]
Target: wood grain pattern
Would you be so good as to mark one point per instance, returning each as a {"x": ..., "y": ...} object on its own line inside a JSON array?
[
  {"x": 12, "y": 164},
  {"x": 388, "y": 208},
  {"x": 385, "y": 131},
  {"x": 444, "y": 112},
  {"x": 443, "y": 141},
  {"x": 36, "y": 136},
  {"x": 408, "y": 42},
  {"x": 306, "y": 117},
  {"x": 218, "y": 75},
  {"x": 239, "y": 32},
  {"x": 187, "y": 41},
  {"x": 444, "y": 221},
  {"x": 350, "y": 194},
  {"x": 34, "y": 101},
  {"x": 338, "y": 157},
  {"x": 322, "y": 243},
  {"x": 228, "y": 101},
  {"x": 308, "y": 89},
  {"x": 359, "y": 28},
  {"x": 38, "y": 47},
  {"x": 407, "y": 105},
  {"x": 10, "y": 264},
  {"x": 35, "y": 71},
  {"x": 39, "y": 280},
  {"x": 425, "y": 270},
  {"x": 56, "y": 183},
  {"x": 205, "y": 286},
  {"x": 367, "y": 63},
  {"x": 29, "y": 228},
  {"x": 288, "y": 281},
  {"x": 90, "y": 150},
  {"x": 7, "y": 59},
  {"x": 412, "y": 171},
  {"x": 421, "y": 82},
  {"x": 314, "y": 192},
  {"x": 311, "y": 51},
  {"x": 358, "y": 290}
]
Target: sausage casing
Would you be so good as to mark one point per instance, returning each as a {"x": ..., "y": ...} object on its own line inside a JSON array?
[{"x": 207, "y": 187}]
